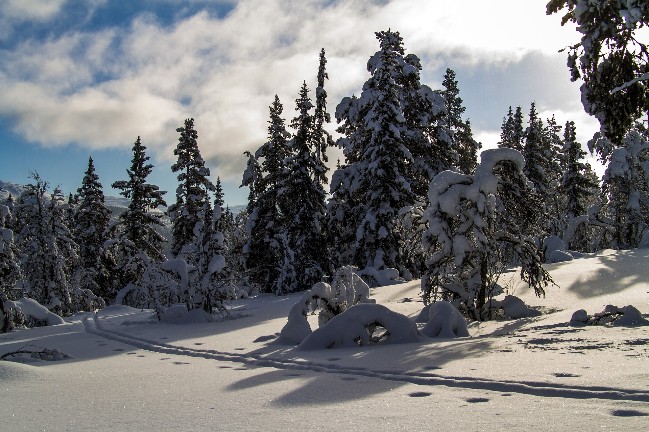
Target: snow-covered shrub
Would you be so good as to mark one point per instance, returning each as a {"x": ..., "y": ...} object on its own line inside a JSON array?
[
  {"x": 347, "y": 289},
  {"x": 444, "y": 321},
  {"x": 613, "y": 315},
  {"x": 360, "y": 325}
]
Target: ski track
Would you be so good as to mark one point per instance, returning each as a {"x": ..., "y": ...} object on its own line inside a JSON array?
[{"x": 533, "y": 388}]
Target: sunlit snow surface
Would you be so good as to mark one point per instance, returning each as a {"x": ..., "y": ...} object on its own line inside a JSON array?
[{"x": 132, "y": 373}]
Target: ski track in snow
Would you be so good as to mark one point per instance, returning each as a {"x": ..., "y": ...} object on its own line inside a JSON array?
[{"x": 533, "y": 388}]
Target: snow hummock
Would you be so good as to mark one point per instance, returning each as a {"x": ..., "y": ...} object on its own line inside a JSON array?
[
  {"x": 444, "y": 321},
  {"x": 355, "y": 326},
  {"x": 32, "y": 308}
]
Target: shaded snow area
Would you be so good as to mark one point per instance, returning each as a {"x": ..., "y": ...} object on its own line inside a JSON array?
[{"x": 122, "y": 370}]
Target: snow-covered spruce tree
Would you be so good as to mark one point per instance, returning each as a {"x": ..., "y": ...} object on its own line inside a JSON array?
[
  {"x": 512, "y": 133},
  {"x": 9, "y": 273},
  {"x": 555, "y": 218},
  {"x": 211, "y": 274},
  {"x": 136, "y": 244},
  {"x": 469, "y": 218},
  {"x": 301, "y": 199},
  {"x": 192, "y": 194},
  {"x": 625, "y": 188},
  {"x": 263, "y": 176},
  {"x": 389, "y": 155},
  {"x": 542, "y": 168},
  {"x": 579, "y": 188},
  {"x": 48, "y": 253},
  {"x": 91, "y": 219},
  {"x": 463, "y": 145},
  {"x": 9, "y": 265}
]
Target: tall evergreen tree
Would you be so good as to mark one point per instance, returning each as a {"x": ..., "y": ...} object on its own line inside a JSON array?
[
  {"x": 264, "y": 176},
  {"x": 580, "y": 188},
  {"x": 576, "y": 184},
  {"x": 302, "y": 202},
  {"x": 462, "y": 137},
  {"x": 512, "y": 132},
  {"x": 138, "y": 244},
  {"x": 392, "y": 148},
  {"x": 91, "y": 219},
  {"x": 321, "y": 137},
  {"x": 192, "y": 195}
]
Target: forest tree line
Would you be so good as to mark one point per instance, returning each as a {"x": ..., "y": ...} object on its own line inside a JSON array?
[{"x": 409, "y": 200}]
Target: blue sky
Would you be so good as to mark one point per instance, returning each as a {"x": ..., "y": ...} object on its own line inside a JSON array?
[{"x": 82, "y": 78}]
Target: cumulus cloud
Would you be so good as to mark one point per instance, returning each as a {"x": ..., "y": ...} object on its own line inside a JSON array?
[{"x": 102, "y": 89}]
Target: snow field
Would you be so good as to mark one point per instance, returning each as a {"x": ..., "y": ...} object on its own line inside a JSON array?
[{"x": 129, "y": 372}]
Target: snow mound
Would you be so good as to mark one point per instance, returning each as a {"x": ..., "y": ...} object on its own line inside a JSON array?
[
  {"x": 555, "y": 250},
  {"x": 627, "y": 316},
  {"x": 444, "y": 321},
  {"x": 356, "y": 327},
  {"x": 32, "y": 308},
  {"x": 347, "y": 289},
  {"x": 514, "y": 308},
  {"x": 13, "y": 371}
]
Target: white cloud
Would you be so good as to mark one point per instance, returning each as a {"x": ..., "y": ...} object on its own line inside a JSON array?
[
  {"x": 103, "y": 89},
  {"x": 28, "y": 10}
]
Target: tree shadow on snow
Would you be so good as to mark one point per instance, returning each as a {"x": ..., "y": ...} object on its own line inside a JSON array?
[{"x": 611, "y": 273}]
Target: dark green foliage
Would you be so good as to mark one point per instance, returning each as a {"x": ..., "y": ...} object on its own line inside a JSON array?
[
  {"x": 137, "y": 244},
  {"x": 91, "y": 218},
  {"x": 464, "y": 146},
  {"x": 192, "y": 195},
  {"x": 576, "y": 184}
]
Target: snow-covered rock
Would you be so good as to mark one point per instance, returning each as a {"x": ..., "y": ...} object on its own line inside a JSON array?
[
  {"x": 444, "y": 321},
  {"x": 355, "y": 327}
]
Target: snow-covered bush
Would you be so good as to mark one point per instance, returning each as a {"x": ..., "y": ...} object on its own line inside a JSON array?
[
  {"x": 613, "y": 315},
  {"x": 360, "y": 325},
  {"x": 443, "y": 321},
  {"x": 347, "y": 289}
]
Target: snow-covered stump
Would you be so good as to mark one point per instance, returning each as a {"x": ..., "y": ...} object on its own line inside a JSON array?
[
  {"x": 444, "y": 321},
  {"x": 356, "y": 327}
]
